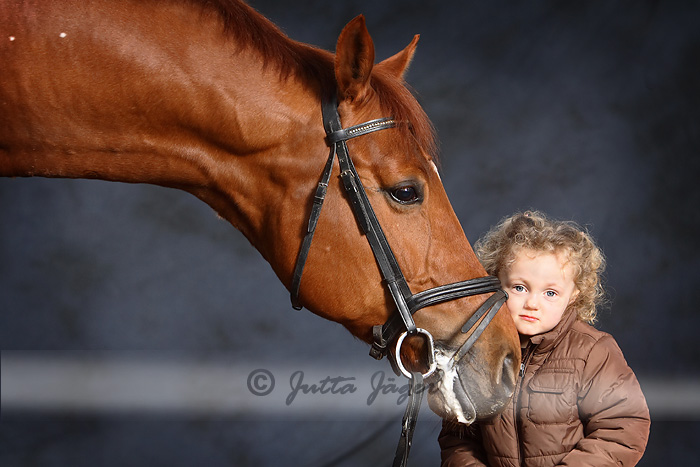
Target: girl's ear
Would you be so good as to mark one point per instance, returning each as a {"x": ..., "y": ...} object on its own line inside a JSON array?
[{"x": 573, "y": 296}]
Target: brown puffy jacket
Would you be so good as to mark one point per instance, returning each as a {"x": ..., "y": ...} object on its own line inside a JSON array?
[{"x": 577, "y": 403}]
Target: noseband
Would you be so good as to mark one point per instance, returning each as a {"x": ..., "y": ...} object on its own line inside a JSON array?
[{"x": 407, "y": 303}]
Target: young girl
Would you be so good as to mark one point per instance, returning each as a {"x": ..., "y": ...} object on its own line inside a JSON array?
[{"x": 576, "y": 402}]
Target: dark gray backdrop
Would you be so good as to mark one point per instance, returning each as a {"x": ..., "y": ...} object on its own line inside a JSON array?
[{"x": 584, "y": 110}]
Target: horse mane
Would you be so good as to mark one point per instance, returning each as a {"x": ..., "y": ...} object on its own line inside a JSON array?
[{"x": 251, "y": 29}]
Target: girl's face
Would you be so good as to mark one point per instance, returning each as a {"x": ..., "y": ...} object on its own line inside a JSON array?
[{"x": 540, "y": 286}]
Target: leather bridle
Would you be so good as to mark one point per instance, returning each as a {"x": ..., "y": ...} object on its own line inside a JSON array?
[{"x": 401, "y": 324}]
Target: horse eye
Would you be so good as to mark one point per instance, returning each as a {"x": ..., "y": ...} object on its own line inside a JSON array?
[{"x": 407, "y": 194}]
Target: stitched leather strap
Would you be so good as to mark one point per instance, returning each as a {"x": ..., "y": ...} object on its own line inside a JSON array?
[
  {"x": 488, "y": 310},
  {"x": 319, "y": 197},
  {"x": 383, "y": 335},
  {"x": 406, "y": 302},
  {"x": 336, "y": 137},
  {"x": 410, "y": 417}
]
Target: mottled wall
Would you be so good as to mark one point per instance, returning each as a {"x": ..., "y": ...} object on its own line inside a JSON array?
[{"x": 586, "y": 111}]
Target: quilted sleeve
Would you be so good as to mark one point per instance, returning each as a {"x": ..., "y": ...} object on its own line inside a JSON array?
[{"x": 461, "y": 446}]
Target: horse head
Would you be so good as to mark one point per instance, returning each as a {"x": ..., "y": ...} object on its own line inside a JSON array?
[{"x": 398, "y": 171}]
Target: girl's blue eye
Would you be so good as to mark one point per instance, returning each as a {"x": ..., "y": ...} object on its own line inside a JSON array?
[
  {"x": 551, "y": 293},
  {"x": 519, "y": 288}
]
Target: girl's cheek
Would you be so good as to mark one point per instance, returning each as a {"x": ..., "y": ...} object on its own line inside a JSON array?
[{"x": 513, "y": 307}]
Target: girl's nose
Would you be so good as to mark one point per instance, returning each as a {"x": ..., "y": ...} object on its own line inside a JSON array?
[{"x": 531, "y": 302}]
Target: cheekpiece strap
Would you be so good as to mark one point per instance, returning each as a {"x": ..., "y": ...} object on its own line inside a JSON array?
[{"x": 336, "y": 136}]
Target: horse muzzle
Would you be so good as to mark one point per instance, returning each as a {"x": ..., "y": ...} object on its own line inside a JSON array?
[{"x": 465, "y": 390}]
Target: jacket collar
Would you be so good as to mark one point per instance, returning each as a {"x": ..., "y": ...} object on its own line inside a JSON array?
[{"x": 548, "y": 340}]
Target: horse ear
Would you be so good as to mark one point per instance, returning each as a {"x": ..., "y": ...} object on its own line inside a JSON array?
[
  {"x": 354, "y": 59},
  {"x": 397, "y": 65}
]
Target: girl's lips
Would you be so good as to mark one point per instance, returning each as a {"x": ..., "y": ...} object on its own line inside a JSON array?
[{"x": 528, "y": 318}]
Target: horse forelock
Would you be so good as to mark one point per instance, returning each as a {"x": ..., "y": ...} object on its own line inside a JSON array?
[{"x": 397, "y": 100}]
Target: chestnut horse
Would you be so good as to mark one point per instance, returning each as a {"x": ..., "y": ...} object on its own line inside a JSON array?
[{"x": 211, "y": 98}]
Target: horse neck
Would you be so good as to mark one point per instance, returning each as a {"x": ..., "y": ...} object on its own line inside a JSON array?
[{"x": 205, "y": 114}]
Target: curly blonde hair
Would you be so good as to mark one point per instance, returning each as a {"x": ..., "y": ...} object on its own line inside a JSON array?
[{"x": 534, "y": 231}]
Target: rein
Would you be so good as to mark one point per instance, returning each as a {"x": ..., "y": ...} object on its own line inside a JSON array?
[{"x": 401, "y": 324}]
